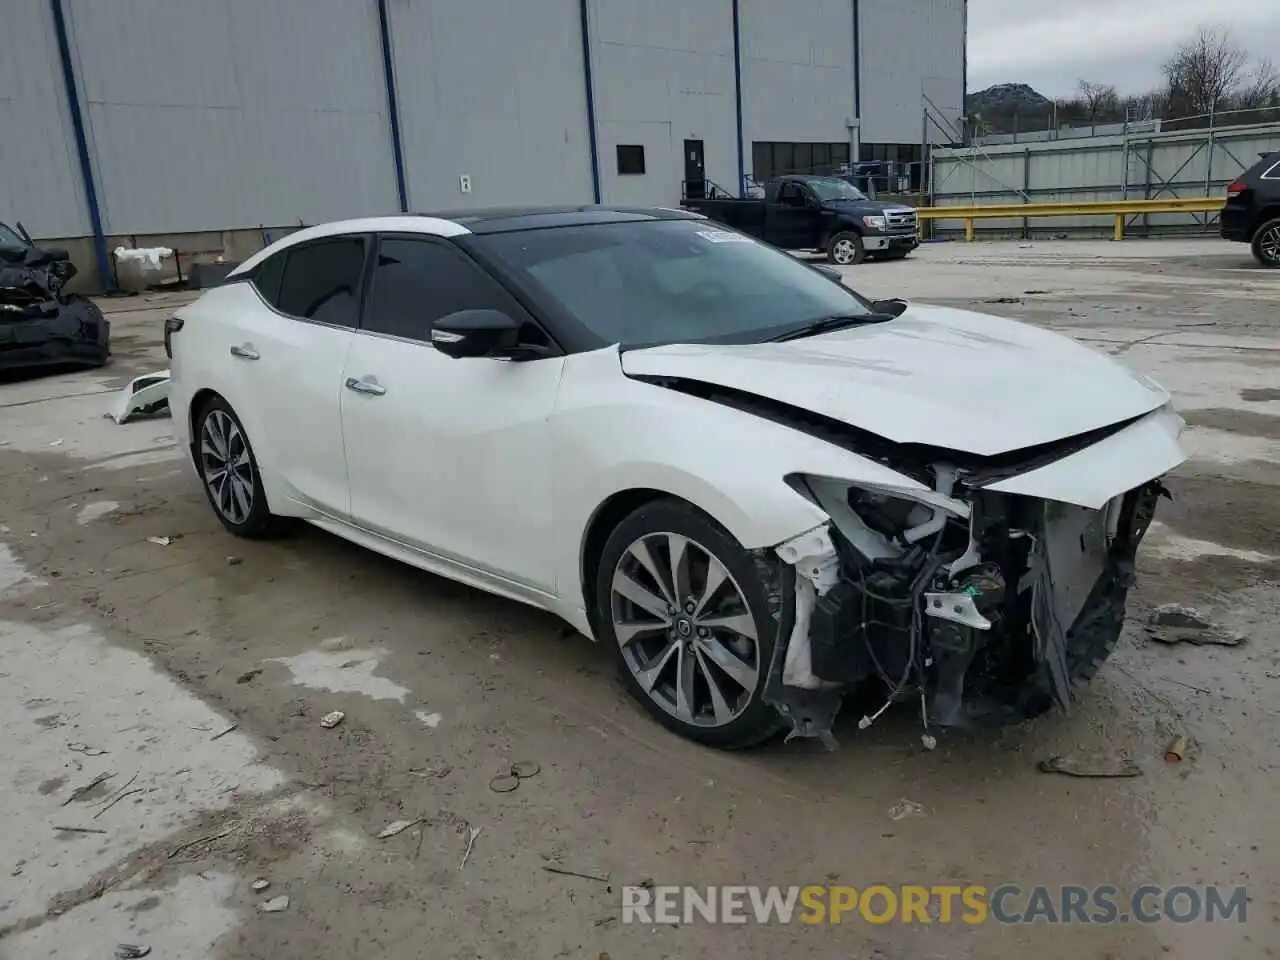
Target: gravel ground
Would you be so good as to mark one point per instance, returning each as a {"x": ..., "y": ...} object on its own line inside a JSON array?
[{"x": 127, "y": 657}]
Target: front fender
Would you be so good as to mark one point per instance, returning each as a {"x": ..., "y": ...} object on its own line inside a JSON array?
[{"x": 613, "y": 434}]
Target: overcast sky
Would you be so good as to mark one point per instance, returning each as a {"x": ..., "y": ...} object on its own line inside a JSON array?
[{"x": 1051, "y": 44}]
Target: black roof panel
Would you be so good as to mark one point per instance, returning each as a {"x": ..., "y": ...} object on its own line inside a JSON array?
[{"x": 507, "y": 219}]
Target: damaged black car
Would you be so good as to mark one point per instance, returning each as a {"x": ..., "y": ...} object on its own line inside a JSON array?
[{"x": 41, "y": 325}]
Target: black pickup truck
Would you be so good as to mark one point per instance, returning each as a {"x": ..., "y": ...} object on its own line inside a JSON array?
[{"x": 827, "y": 214}]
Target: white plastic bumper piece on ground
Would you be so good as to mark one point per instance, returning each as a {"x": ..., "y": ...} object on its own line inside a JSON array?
[{"x": 147, "y": 395}]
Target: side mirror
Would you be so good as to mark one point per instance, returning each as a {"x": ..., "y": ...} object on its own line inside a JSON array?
[
  {"x": 894, "y": 307},
  {"x": 475, "y": 333},
  {"x": 831, "y": 273}
]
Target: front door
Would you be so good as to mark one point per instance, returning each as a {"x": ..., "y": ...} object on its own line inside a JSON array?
[
  {"x": 695, "y": 170},
  {"x": 449, "y": 456},
  {"x": 792, "y": 221}
]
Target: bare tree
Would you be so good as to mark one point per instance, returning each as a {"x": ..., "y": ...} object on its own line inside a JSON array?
[
  {"x": 1204, "y": 71},
  {"x": 1100, "y": 99},
  {"x": 1259, "y": 88}
]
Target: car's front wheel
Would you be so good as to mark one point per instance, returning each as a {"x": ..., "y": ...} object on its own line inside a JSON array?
[
  {"x": 682, "y": 608},
  {"x": 229, "y": 472},
  {"x": 1266, "y": 244},
  {"x": 846, "y": 249}
]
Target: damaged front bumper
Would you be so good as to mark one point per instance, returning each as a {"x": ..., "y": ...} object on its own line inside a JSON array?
[
  {"x": 989, "y": 599},
  {"x": 73, "y": 332}
]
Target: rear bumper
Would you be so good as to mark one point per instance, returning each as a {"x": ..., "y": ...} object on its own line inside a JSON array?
[{"x": 1234, "y": 224}]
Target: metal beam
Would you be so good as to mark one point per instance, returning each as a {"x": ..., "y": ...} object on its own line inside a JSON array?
[
  {"x": 393, "y": 109},
  {"x": 591, "y": 98},
  {"x": 82, "y": 144},
  {"x": 737, "y": 96}
]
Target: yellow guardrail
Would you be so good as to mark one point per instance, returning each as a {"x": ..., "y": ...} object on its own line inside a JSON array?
[{"x": 1120, "y": 209}]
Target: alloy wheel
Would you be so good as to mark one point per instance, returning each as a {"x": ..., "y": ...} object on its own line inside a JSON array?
[
  {"x": 686, "y": 631},
  {"x": 844, "y": 252},
  {"x": 227, "y": 466},
  {"x": 1269, "y": 245}
]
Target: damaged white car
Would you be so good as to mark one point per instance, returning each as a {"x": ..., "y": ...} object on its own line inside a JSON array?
[{"x": 756, "y": 487}]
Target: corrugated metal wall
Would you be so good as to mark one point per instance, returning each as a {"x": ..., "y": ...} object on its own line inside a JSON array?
[
  {"x": 491, "y": 90},
  {"x": 1177, "y": 164},
  {"x": 206, "y": 115},
  {"x": 664, "y": 74},
  {"x": 234, "y": 113},
  {"x": 39, "y": 173},
  {"x": 798, "y": 84},
  {"x": 908, "y": 48}
]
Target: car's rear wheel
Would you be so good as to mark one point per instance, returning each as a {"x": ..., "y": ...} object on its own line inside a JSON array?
[
  {"x": 229, "y": 472},
  {"x": 681, "y": 607},
  {"x": 1266, "y": 244},
  {"x": 846, "y": 249}
]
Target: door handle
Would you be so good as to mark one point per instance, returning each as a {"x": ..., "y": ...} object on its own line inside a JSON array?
[
  {"x": 245, "y": 352},
  {"x": 366, "y": 386}
]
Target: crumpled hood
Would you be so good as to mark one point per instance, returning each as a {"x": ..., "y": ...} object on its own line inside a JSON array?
[{"x": 938, "y": 376}]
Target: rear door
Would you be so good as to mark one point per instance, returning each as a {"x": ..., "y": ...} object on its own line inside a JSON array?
[
  {"x": 450, "y": 456},
  {"x": 290, "y": 351}
]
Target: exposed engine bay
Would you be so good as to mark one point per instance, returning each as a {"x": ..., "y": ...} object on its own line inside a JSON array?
[
  {"x": 40, "y": 324},
  {"x": 984, "y": 607}
]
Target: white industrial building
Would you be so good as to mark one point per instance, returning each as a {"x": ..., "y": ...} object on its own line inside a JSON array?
[{"x": 156, "y": 119}]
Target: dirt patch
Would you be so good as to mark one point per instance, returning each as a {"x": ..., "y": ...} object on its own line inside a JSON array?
[
  {"x": 1248, "y": 422},
  {"x": 1260, "y": 394},
  {"x": 1233, "y": 513}
]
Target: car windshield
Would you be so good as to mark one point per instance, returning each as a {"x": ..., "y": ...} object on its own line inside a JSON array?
[
  {"x": 10, "y": 237},
  {"x": 835, "y": 189},
  {"x": 651, "y": 282}
]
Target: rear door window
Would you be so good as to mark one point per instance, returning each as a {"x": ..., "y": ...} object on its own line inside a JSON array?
[
  {"x": 321, "y": 281},
  {"x": 268, "y": 275}
]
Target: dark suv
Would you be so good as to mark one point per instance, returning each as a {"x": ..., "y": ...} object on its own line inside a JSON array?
[{"x": 1252, "y": 212}]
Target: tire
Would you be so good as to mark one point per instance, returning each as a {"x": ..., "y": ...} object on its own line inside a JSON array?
[
  {"x": 218, "y": 429},
  {"x": 846, "y": 249},
  {"x": 733, "y": 659},
  {"x": 1266, "y": 244}
]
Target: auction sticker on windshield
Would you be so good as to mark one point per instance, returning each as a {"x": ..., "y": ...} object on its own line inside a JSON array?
[{"x": 723, "y": 236}]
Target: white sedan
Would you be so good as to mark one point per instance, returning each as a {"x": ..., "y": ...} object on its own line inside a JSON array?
[{"x": 756, "y": 487}]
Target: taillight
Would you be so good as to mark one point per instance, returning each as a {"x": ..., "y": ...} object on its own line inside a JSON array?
[
  {"x": 171, "y": 326},
  {"x": 1235, "y": 190}
]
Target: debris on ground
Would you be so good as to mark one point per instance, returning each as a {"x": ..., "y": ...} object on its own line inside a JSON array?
[
  {"x": 331, "y": 720},
  {"x": 223, "y": 733},
  {"x": 1176, "y": 751},
  {"x": 80, "y": 829},
  {"x": 1003, "y": 300},
  {"x": 199, "y": 840},
  {"x": 131, "y": 951},
  {"x": 472, "y": 833},
  {"x": 276, "y": 905},
  {"x": 85, "y": 750},
  {"x": 260, "y": 884},
  {"x": 520, "y": 770},
  {"x": 248, "y": 676},
  {"x": 161, "y": 541},
  {"x": 234, "y": 561},
  {"x": 905, "y": 808},
  {"x": 1103, "y": 767},
  {"x": 1177, "y": 615},
  {"x": 79, "y": 792},
  {"x": 574, "y": 873},
  {"x": 399, "y": 826},
  {"x": 142, "y": 397},
  {"x": 432, "y": 771},
  {"x": 1175, "y": 623}
]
